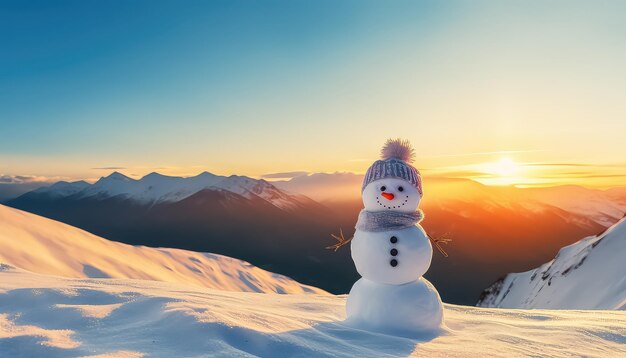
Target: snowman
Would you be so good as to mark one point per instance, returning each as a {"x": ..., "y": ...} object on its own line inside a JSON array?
[{"x": 392, "y": 252}]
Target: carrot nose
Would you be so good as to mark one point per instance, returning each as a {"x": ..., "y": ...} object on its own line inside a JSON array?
[{"x": 388, "y": 196}]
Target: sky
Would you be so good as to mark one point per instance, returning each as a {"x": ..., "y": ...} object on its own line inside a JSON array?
[{"x": 503, "y": 92}]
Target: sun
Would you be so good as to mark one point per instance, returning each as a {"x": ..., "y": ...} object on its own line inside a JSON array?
[
  {"x": 504, "y": 171},
  {"x": 505, "y": 167}
]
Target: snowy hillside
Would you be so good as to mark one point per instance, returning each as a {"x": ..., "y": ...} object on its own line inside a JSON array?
[
  {"x": 589, "y": 274},
  {"x": 155, "y": 188},
  {"x": 45, "y": 316},
  {"x": 46, "y": 246}
]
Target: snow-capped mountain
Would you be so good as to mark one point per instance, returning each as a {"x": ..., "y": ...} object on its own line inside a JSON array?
[
  {"x": 49, "y": 247},
  {"x": 589, "y": 274},
  {"x": 157, "y": 188},
  {"x": 62, "y": 189}
]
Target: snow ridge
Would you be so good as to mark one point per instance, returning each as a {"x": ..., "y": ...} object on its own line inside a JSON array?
[
  {"x": 45, "y": 246},
  {"x": 589, "y": 274}
]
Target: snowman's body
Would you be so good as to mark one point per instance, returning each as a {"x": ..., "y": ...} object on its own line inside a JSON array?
[
  {"x": 392, "y": 257},
  {"x": 392, "y": 296}
]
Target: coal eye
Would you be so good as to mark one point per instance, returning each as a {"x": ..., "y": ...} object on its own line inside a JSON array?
[
  {"x": 383, "y": 188},
  {"x": 400, "y": 188}
]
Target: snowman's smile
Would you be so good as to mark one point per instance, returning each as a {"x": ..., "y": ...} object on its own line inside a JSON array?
[{"x": 391, "y": 206}]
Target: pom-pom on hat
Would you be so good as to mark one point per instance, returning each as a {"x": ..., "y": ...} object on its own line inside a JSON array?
[{"x": 396, "y": 156}]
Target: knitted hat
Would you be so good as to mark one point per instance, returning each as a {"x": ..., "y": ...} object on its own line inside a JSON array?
[{"x": 396, "y": 156}]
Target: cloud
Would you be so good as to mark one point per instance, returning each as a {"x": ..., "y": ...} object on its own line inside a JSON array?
[
  {"x": 109, "y": 168},
  {"x": 24, "y": 179},
  {"x": 500, "y": 152},
  {"x": 284, "y": 175},
  {"x": 6, "y": 179},
  {"x": 615, "y": 165},
  {"x": 12, "y": 186},
  {"x": 582, "y": 176}
]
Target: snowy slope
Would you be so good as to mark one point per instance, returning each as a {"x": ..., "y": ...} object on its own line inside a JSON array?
[
  {"x": 46, "y": 246},
  {"x": 589, "y": 274},
  {"x": 155, "y": 188},
  {"x": 45, "y": 316}
]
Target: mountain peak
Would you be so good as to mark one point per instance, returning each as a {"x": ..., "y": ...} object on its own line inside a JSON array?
[
  {"x": 156, "y": 175},
  {"x": 205, "y": 174},
  {"x": 117, "y": 176}
]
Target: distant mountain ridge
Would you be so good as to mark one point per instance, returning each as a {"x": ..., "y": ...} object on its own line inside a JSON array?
[
  {"x": 157, "y": 188},
  {"x": 495, "y": 230},
  {"x": 605, "y": 207},
  {"x": 589, "y": 274}
]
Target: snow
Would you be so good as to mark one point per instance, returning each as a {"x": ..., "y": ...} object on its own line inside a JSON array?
[
  {"x": 155, "y": 188},
  {"x": 589, "y": 274},
  {"x": 46, "y": 246},
  {"x": 46, "y": 316}
]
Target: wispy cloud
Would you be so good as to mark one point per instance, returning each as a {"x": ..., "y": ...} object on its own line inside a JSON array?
[
  {"x": 587, "y": 165},
  {"x": 582, "y": 176},
  {"x": 12, "y": 186},
  {"x": 24, "y": 179},
  {"x": 284, "y": 175},
  {"x": 109, "y": 168},
  {"x": 473, "y": 154}
]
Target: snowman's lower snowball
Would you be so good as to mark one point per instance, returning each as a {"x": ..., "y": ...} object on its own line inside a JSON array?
[{"x": 407, "y": 310}]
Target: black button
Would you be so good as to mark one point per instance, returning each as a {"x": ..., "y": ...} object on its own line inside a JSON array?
[
  {"x": 393, "y": 252},
  {"x": 393, "y": 239},
  {"x": 393, "y": 263}
]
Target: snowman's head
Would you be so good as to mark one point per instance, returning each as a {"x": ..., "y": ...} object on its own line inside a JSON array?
[
  {"x": 391, "y": 194},
  {"x": 392, "y": 183}
]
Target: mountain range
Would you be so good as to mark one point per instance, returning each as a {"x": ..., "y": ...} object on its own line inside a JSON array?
[
  {"x": 604, "y": 207},
  {"x": 156, "y": 188},
  {"x": 283, "y": 226}
]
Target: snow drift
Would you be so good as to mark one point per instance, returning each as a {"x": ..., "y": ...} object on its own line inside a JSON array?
[
  {"x": 49, "y": 247},
  {"x": 589, "y": 274},
  {"x": 45, "y": 316}
]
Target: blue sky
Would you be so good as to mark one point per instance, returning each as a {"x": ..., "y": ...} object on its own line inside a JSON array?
[{"x": 253, "y": 87}]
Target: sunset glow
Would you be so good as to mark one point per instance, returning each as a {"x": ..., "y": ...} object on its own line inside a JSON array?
[{"x": 494, "y": 107}]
